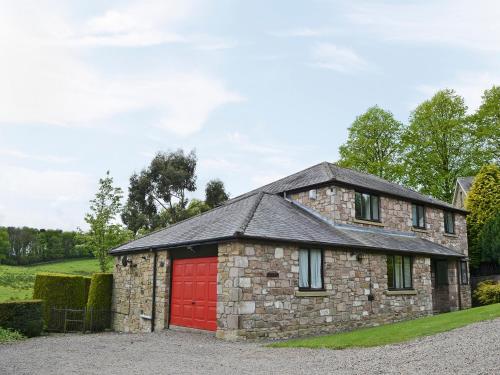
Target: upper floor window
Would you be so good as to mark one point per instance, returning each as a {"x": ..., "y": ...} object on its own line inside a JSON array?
[
  {"x": 310, "y": 269},
  {"x": 367, "y": 206},
  {"x": 418, "y": 216},
  {"x": 399, "y": 272},
  {"x": 449, "y": 222}
]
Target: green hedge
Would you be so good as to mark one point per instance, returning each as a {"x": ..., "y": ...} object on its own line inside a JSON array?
[
  {"x": 99, "y": 301},
  {"x": 22, "y": 316},
  {"x": 487, "y": 292},
  {"x": 61, "y": 290}
]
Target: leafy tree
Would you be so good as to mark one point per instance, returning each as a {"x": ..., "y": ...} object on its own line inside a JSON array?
[
  {"x": 196, "y": 207},
  {"x": 215, "y": 193},
  {"x": 104, "y": 232},
  {"x": 160, "y": 187},
  {"x": 440, "y": 145},
  {"x": 374, "y": 144},
  {"x": 4, "y": 243},
  {"x": 489, "y": 240},
  {"x": 483, "y": 203},
  {"x": 487, "y": 120}
]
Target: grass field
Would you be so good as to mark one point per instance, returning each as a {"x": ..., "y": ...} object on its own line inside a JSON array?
[
  {"x": 16, "y": 282},
  {"x": 397, "y": 332}
]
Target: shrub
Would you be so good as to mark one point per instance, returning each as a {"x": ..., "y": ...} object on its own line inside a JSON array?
[
  {"x": 23, "y": 316},
  {"x": 99, "y": 301},
  {"x": 61, "y": 291},
  {"x": 487, "y": 292},
  {"x": 7, "y": 335}
]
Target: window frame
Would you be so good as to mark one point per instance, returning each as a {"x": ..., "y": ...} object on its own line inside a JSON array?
[
  {"x": 309, "y": 288},
  {"x": 416, "y": 205},
  {"x": 464, "y": 267},
  {"x": 393, "y": 256},
  {"x": 370, "y": 195},
  {"x": 452, "y": 214}
]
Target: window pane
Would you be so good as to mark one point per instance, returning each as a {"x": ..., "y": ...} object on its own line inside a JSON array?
[
  {"x": 421, "y": 216},
  {"x": 390, "y": 271},
  {"x": 414, "y": 215},
  {"x": 451, "y": 223},
  {"x": 365, "y": 209},
  {"x": 464, "y": 275},
  {"x": 357, "y": 203},
  {"x": 375, "y": 205},
  {"x": 442, "y": 272},
  {"x": 303, "y": 268},
  {"x": 407, "y": 272},
  {"x": 316, "y": 281},
  {"x": 398, "y": 271}
]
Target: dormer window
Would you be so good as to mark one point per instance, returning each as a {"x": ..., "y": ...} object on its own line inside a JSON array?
[
  {"x": 312, "y": 194},
  {"x": 367, "y": 206},
  {"x": 418, "y": 216}
]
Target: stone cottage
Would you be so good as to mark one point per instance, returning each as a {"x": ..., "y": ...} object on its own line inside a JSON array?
[{"x": 326, "y": 249}]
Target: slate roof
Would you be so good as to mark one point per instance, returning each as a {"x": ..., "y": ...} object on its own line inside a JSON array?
[
  {"x": 325, "y": 173},
  {"x": 268, "y": 216},
  {"x": 465, "y": 182}
]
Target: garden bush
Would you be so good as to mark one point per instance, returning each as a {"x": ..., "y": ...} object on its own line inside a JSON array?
[
  {"x": 487, "y": 292},
  {"x": 99, "y": 301},
  {"x": 22, "y": 316},
  {"x": 61, "y": 291}
]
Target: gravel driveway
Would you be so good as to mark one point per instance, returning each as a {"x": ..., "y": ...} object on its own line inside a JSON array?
[{"x": 474, "y": 349}]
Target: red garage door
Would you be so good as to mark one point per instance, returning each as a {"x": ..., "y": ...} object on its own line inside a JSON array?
[{"x": 194, "y": 293}]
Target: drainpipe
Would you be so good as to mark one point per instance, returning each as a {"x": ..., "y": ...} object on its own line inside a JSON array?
[
  {"x": 153, "y": 307},
  {"x": 459, "y": 286}
]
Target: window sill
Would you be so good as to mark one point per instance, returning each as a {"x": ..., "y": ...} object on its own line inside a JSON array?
[
  {"x": 419, "y": 230},
  {"x": 452, "y": 235},
  {"x": 376, "y": 223},
  {"x": 311, "y": 293},
  {"x": 411, "y": 292}
]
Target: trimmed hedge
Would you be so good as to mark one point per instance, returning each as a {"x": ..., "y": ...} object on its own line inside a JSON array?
[
  {"x": 487, "y": 292},
  {"x": 22, "y": 316},
  {"x": 61, "y": 291},
  {"x": 99, "y": 301}
]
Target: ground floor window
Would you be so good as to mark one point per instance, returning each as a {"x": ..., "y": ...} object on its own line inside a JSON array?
[
  {"x": 310, "y": 269},
  {"x": 399, "y": 272},
  {"x": 441, "y": 272},
  {"x": 464, "y": 275}
]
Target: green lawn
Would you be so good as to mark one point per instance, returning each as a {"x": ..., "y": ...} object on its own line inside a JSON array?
[
  {"x": 397, "y": 332},
  {"x": 16, "y": 282}
]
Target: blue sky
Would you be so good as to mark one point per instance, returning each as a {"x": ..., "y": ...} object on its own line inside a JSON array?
[{"x": 260, "y": 89}]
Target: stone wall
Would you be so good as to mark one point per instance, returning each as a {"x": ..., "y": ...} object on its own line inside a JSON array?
[
  {"x": 253, "y": 305},
  {"x": 133, "y": 292},
  {"x": 337, "y": 204}
]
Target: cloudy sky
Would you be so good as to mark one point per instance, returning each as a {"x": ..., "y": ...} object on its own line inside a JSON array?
[{"x": 260, "y": 89}]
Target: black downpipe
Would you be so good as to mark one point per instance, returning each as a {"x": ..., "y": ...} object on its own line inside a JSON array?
[{"x": 153, "y": 307}]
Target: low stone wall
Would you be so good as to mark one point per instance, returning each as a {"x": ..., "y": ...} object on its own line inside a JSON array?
[
  {"x": 133, "y": 292},
  {"x": 252, "y": 305}
]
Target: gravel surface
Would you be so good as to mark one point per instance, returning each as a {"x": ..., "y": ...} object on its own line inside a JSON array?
[{"x": 474, "y": 349}]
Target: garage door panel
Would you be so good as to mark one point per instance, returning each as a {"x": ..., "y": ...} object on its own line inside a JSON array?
[{"x": 194, "y": 293}]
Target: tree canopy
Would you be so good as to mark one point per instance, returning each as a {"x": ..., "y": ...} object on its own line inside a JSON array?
[
  {"x": 374, "y": 144},
  {"x": 215, "y": 193},
  {"x": 157, "y": 195},
  {"x": 489, "y": 240},
  {"x": 105, "y": 233},
  {"x": 483, "y": 203},
  {"x": 487, "y": 120}
]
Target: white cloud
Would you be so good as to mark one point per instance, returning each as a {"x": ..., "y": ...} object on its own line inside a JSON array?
[
  {"x": 470, "y": 85},
  {"x": 43, "y": 198},
  {"x": 304, "y": 32},
  {"x": 340, "y": 59},
  {"x": 46, "y": 79},
  {"x": 18, "y": 154},
  {"x": 462, "y": 23}
]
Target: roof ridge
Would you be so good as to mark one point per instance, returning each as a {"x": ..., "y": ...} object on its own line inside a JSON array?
[{"x": 246, "y": 220}]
